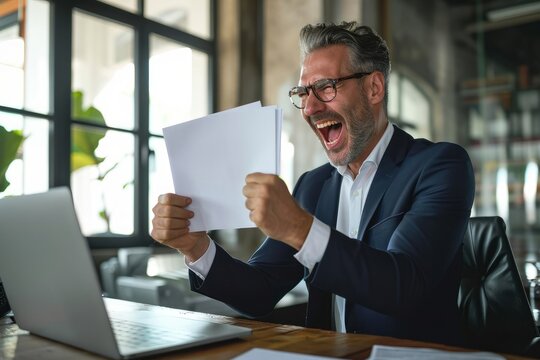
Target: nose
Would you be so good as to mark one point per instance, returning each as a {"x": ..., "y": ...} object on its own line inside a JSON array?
[{"x": 313, "y": 105}]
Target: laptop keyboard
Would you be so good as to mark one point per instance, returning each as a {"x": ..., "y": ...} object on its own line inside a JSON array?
[{"x": 136, "y": 335}]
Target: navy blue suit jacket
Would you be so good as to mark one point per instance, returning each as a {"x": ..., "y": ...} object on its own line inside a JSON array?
[{"x": 400, "y": 276}]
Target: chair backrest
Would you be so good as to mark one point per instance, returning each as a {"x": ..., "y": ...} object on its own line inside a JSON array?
[{"x": 495, "y": 312}]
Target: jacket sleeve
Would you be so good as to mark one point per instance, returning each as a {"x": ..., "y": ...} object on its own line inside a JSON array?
[{"x": 255, "y": 287}]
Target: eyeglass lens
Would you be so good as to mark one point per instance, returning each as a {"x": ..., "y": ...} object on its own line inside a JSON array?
[{"x": 324, "y": 90}]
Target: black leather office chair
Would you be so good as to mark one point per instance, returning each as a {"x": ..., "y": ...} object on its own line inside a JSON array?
[{"x": 495, "y": 312}]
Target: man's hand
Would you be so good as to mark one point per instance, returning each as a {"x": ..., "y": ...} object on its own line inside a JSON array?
[
  {"x": 274, "y": 210},
  {"x": 171, "y": 227}
]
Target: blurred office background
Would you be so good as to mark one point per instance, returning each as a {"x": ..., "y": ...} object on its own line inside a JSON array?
[{"x": 86, "y": 87}]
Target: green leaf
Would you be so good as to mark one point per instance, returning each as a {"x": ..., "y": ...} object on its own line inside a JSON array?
[
  {"x": 84, "y": 142},
  {"x": 80, "y": 160},
  {"x": 9, "y": 144},
  {"x": 103, "y": 215},
  {"x": 91, "y": 114},
  {"x": 76, "y": 104},
  {"x": 3, "y": 183}
]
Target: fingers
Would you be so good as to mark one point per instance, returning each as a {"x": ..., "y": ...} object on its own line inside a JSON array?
[
  {"x": 170, "y": 226},
  {"x": 172, "y": 205},
  {"x": 262, "y": 178},
  {"x": 256, "y": 207},
  {"x": 260, "y": 191},
  {"x": 273, "y": 209},
  {"x": 170, "y": 223},
  {"x": 261, "y": 185},
  {"x": 254, "y": 177},
  {"x": 170, "y": 211},
  {"x": 254, "y": 189},
  {"x": 174, "y": 200},
  {"x": 171, "y": 218},
  {"x": 165, "y": 236},
  {"x": 165, "y": 229}
]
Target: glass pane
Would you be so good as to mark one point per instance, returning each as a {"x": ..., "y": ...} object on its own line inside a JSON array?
[
  {"x": 102, "y": 175},
  {"x": 24, "y": 56},
  {"x": 11, "y": 67},
  {"x": 103, "y": 73},
  {"x": 24, "y": 154},
  {"x": 129, "y": 5},
  {"x": 188, "y": 15},
  {"x": 178, "y": 83},
  {"x": 37, "y": 69},
  {"x": 160, "y": 178}
]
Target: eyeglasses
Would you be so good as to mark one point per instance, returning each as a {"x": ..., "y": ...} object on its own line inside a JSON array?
[{"x": 323, "y": 89}]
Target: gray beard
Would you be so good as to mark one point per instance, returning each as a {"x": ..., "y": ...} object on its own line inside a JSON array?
[{"x": 361, "y": 128}]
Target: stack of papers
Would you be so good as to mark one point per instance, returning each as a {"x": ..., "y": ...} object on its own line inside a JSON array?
[
  {"x": 379, "y": 352},
  {"x": 211, "y": 156},
  {"x": 382, "y": 352}
]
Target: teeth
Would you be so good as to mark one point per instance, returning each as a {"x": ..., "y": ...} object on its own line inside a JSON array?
[
  {"x": 330, "y": 143},
  {"x": 326, "y": 124}
]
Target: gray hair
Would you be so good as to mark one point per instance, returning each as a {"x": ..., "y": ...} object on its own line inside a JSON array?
[{"x": 367, "y": 50}]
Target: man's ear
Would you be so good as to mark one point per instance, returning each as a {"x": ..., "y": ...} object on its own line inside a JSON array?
[{"x": 376, "y": 87}]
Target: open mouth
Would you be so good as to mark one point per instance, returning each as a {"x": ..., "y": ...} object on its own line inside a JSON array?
[{"x": 330, "y": 131}]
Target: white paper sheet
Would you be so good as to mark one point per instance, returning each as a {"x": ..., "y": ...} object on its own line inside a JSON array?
[
  {"x": 266, "y": 354},
  {"x": 211, "y": 156},
  {"x": 382, "y": 352}
]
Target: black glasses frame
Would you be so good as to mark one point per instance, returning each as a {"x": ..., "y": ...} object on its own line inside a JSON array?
[{"x": 319, "y": 85}]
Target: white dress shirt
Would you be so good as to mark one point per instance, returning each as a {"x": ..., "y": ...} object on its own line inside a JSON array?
[{"x": 352, "y": 198}]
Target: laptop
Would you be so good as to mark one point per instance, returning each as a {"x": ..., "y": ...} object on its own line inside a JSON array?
[{"x": 54, "y": 292}]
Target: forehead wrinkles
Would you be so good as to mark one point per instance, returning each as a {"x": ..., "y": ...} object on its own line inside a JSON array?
[{"x": 329, "y": 62}]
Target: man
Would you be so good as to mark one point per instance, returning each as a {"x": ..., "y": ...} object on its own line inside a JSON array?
[{"x": 376, "y": 233}]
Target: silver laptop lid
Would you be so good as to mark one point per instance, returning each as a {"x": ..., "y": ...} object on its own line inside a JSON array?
[{"x": 48, "y": 273}]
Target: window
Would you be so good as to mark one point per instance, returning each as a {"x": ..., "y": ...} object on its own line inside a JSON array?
[
  {"x": 24, "y": 100},
  {"x": 94, "y": 122}
]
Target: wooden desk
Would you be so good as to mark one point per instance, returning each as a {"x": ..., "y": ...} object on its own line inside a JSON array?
[{"x": 19, "y": 344}]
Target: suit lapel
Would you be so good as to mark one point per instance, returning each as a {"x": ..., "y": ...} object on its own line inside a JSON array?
[
  {"x": 327, "y": 206},
  {"x": 394, "y": 154}
]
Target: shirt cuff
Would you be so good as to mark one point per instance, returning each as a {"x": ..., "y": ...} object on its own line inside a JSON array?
[
  {"x": 202, "y": 265},
  {"x": 315, "y": 245}
]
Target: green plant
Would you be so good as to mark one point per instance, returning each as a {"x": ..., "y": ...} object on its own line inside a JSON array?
[
  {"x": 85, "y": 142},
  {"x": 9, "y": 145}
]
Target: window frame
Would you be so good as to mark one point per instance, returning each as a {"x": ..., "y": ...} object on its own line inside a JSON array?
[{"x": 61, "y": 122}]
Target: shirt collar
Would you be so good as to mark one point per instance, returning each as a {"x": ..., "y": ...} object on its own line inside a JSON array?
[{"x": 375, "y": 156}]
